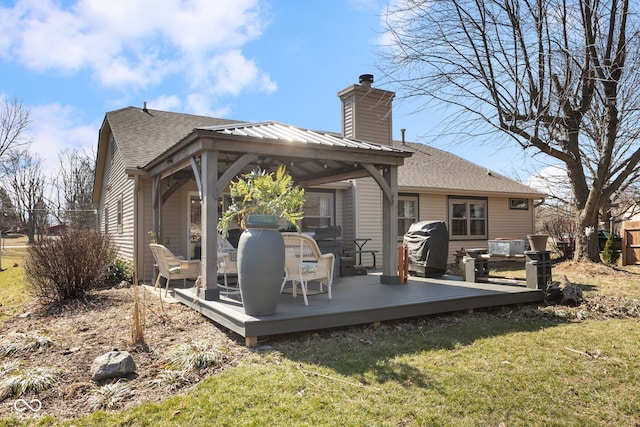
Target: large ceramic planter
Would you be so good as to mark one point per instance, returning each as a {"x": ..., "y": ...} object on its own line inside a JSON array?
[
  {"x": 260, "y": 265},
  {"x": 538, "y": 242}
]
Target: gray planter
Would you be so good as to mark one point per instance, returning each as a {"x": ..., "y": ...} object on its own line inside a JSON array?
[
  {"x": 538, "y": 242},
  {"x": 260, "y": 266}
]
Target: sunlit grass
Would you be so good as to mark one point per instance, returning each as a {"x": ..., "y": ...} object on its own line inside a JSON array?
[
  {"x": 13, "y": 291},
  {"x": 478, "y": 369},
  {"x": 171, "y": 380}
]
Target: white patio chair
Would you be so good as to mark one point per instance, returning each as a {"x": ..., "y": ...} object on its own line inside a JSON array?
[
  {"x": 171, "y": 267},
  {"x": 227, "y": 264},
  {"x": 304, "y": 262}
]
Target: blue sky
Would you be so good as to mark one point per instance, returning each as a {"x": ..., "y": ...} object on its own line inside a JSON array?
[{"x": 70, "y": 62}]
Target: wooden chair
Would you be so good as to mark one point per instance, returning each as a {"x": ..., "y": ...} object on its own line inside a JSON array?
[
  {"x": 304, "y": 262},
  {"x": 171, "y": 267}
]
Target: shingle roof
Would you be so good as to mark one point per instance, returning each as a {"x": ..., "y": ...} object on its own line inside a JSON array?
[
  {"x": 143, "y": 135},
  {"x": 440, "y": 170}
]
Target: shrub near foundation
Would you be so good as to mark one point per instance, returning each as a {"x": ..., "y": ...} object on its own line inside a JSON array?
[{"x": 68, "y": 266}]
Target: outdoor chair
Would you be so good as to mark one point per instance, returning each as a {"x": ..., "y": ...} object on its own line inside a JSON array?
[
  {"x": 304, "y": 262},
  {"x": 171, "y": 267},
  {"x": 227, "y": 264}
]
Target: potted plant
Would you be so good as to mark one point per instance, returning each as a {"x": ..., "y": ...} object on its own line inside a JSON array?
[{"x": 259, "y": 200}]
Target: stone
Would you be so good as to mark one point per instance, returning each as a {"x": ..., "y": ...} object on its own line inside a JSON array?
[{"x": 114, "y": 364}]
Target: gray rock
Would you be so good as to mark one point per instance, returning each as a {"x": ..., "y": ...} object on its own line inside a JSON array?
[{"x": 114, "y": 364}]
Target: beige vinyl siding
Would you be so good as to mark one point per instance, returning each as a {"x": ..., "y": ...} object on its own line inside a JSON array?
[
  {"x": 347, "y": 116},
  {"x": 369, "y": 213},
  {"x": 118, "y": 187},
  {"x": 509, "y": 223},
  {"x": 433, "y": 207},
  {"x": 374, "y": 128},
  {"x": 501, "y": 220},
  {"x": 348, "y": 212},
  {"x": 172, "y": 220},
  {"x": 366, "y": 114}
]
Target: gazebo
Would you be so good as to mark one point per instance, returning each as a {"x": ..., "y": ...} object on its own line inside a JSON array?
[{"x": 214, "y": 155}]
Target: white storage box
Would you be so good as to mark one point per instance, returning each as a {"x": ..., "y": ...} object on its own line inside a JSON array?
[{"x": 506, "y": 247}]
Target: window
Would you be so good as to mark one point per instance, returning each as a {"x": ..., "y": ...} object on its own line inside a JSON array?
[
  {"x": 468, "y": 218},
  {"x": 522, "y": 204},
  {"x": 319, "y": 210},
  {"x": 112, "y": 148},
  {"x": 119, "y": 214},
  {"x": 407, "y": 213}
]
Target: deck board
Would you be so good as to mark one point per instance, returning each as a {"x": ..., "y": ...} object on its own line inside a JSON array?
[{"x": 359, "y": 300}]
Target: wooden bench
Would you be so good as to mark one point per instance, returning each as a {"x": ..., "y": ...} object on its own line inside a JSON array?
[{"x": 359, "y": 254}]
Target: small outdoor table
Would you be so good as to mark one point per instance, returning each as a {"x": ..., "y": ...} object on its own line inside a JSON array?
[{"x": 359, "y": 243}]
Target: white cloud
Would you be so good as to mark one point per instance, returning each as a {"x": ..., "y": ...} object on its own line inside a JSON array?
[
  {"x": 165, "y": 103},
  {"x": 134, "y": 44},
  {"x": 552, "y": 180},
  {"x": 55, "y": 127}
]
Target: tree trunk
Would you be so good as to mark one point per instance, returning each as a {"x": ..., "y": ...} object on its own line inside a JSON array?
[{"x": 587, "y": 247}]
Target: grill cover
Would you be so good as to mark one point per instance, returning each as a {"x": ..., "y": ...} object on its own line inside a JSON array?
[{"x": 428, "y": 247}]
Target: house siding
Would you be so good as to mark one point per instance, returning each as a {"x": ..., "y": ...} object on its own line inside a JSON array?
[
  {"x": 368, "y": 213},
  {"x": 502, "y": 222},
  {"x": 117, "y": 187},
  {"x": 432, "y": 207},
  {"x": 348, "y": 212},
  {"x": 509, "y": 223}
]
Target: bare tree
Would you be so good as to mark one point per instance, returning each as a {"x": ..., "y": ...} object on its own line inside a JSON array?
[
  {"x": 26, "y": 187},
  {"x": 8, "y": 217},
  {"x": 14, "y": 119},
  {"x": 73, "y": 185},
  {"x": 559, "y": 77}
]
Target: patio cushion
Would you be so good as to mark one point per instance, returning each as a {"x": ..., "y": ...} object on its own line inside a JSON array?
[
  {"x": 175, "y": 270},
  {"x": 309, "y": 267}
]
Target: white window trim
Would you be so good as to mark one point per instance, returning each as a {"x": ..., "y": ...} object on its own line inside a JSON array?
[
  {"x": 413, "y": 199},
  {"x": 331, "y": 197},
  {"x": 468, "y": 201}
]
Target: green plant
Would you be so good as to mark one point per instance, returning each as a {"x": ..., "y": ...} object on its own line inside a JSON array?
[
  {"x": 157, "y": 238},
  {"x": 266, "y": 193},
  {"x": 171, "y": 380},
  {"x": 194, "y": 356},
  {"x": 17, "y": 382},
  {"x": 20, "y": 343},
  {"x": 119, "y": 271},
  {"x": 110, "y": 396},
  {"x": 609, "y": 253},
  {"x": 68, "y": 266}
]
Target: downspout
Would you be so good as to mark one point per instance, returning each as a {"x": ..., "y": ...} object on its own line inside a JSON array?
[{"x": 136, "y": 231}]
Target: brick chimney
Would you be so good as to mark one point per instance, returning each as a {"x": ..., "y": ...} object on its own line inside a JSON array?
[{"x": 366, "y": 112}]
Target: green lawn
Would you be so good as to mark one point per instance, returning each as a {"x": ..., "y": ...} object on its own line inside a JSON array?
[
  {"x": 480, "y": 369},
  {"x": 514, "y": 366},
  {"x": 13, "y": 292}
]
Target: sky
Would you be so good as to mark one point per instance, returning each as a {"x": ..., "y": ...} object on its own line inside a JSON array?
[{"x": 70, "y": 62}]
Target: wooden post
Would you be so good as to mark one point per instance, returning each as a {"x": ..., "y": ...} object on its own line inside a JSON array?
[{"x": 403, "y": 263}]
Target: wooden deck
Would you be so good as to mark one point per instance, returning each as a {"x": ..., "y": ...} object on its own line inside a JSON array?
[{"x": 357, "y": 300}]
